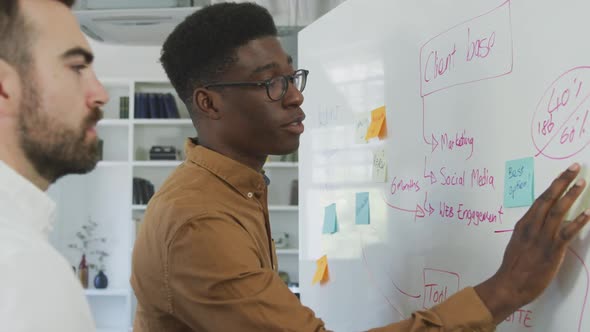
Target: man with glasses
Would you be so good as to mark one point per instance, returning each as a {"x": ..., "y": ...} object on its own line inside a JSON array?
[{"x": 204, "y": 259}]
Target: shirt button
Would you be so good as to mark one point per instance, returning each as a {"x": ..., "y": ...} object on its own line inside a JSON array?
[{"x": 250, "y": 195}]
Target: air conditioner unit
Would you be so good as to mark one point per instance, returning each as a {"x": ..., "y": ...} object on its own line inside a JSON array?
[
  {"x": 151, "y": 26},
  {"x": 132, "y": 26}
]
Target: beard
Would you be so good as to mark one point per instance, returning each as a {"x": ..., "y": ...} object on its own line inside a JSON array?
[{"x": 53, "y": 149}]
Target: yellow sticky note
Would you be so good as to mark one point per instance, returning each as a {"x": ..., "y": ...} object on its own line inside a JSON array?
[
  {"x": 321, "y": 274},
  {"x": 378, "y": 127}
]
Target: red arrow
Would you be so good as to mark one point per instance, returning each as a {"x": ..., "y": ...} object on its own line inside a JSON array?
[
  {"x": 430, "y": 209},
  {"x": 415, "y": 212},
  {"x": 431, "y": 175},
  {"x": 405, "y": 293},
  {"x": 419, "y": 212},
  {"x": 434, "y": 143}
]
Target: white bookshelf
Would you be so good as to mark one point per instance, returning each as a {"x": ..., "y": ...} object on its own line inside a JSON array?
[
  {"x": 287, "y": 251},
  {"x": 109, "y": 163},
  {"x": 163, "y": 122},
  {"x": 106, "y": 329},
  {"x": 138, "y": 207},
  {"x": 107, "y": 292},
  {"x": 281, "y": 164},
  {"x": 283, "y": 208},
  {"x": 106, "y": 194},
  {"x": 113, "y": 123},
  {"x": 157, "y": 163}
]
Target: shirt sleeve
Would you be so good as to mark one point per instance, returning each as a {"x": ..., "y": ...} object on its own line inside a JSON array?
[
  {"x": 464, "y": 311},
  {"x": 216, "y": 283}
]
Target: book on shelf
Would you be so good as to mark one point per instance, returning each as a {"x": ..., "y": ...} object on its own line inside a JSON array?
[
  {"x": 155, "y": 106},
  {"x": 170, "y": 106},
  {"x": 143, "y": 190},
  {"x": 123, "y": 107}
]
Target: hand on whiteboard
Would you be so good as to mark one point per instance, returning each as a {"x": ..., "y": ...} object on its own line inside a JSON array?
[{"x": 537, "y": 248}]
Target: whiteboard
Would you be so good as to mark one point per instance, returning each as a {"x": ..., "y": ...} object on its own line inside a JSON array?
[{"x": 467, "y": 86}]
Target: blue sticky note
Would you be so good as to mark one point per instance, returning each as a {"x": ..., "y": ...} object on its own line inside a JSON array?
[
  {"x": 363, "y": 214},
  {"x": 519, "y": 182},
  {"x": 330, "y": 220}
]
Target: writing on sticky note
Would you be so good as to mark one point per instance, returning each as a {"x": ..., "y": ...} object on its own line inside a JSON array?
[
  {"x": 322, "y": 274},
  {"x": 379, "y": 166},
  {"x": 330, "y": 220},
  {"x": 378, "y": 127},
  {"x": 361, "y": 125},
  {"x": 363, "y": 213},
  {"x": 519, "y": 182}
]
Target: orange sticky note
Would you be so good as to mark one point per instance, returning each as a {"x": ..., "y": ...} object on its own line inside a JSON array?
[
  {"x": 321, "y": 274},
  {"x": 378, "y": 126}
]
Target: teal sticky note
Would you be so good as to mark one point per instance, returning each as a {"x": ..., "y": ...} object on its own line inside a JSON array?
[
  {"x": 363, "y": 212},
  {"x": 330, "y": 220},
  {"x": 519, "y": 182}
]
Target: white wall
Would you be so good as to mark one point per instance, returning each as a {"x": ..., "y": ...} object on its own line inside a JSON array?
[
  {"x": 117, "y": 61},
  {"x": 142, "y": 62}
]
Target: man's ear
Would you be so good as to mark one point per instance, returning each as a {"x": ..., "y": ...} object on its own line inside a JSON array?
[
  {"x": 206, "y": 102},
  {"x": 9, "y": 88}
]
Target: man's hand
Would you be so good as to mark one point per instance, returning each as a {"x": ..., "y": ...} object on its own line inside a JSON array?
[{"x": 536, "y": 249}]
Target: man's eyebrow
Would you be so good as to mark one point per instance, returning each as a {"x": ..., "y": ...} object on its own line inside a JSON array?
[
  {"x": 78, "y": 51},
  {"x": 265, "y": 67},
  {"x": 271, "y": 65}
]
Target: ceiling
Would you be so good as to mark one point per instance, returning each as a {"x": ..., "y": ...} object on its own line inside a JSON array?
[{"x": 149, "y": 22}]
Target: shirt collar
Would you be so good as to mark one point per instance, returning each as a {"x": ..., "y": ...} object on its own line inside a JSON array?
[
  {"x": 22, "y": 202},
  {"x": 241, "y": 177}
]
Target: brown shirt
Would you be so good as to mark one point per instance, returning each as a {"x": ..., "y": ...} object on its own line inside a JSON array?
[{"x": 204, "y": 260}]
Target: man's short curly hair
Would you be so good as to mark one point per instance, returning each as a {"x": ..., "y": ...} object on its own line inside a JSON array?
[
  {"x": 205, "y": 44},
  {"x": 16, "y": 34}
]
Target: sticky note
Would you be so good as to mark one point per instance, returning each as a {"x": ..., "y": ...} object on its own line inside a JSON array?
[
  {"x": 379, "y": 166},
  {"x": 321, "y": 273},
  {"x": 378, "y": 127},
  {"x": 363, "y": 214},
  {"x": 361, "y": 124},
  {"x": 519, "y": 177},
  {"x": 330, "y": 220},
  {"x": 583, "y": 201}
]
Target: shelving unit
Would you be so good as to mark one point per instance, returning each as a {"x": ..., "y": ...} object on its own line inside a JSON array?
[
  {"x": 106, "y": 194},
  {"x": 283, "y": 208},
  {"x": 163, "y": 122},
  {"x": 157, "y": 163},
  {"x": 111, "y": 163},
  {"x": 287, "y": 251},
  {"x": 107, "y": 292},
  {"x": 113, "y": 123}
]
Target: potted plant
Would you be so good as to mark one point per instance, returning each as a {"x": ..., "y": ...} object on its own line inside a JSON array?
[{"x": 86, "y": 241}]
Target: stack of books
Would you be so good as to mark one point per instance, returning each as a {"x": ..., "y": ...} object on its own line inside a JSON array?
[
  {"x": 143, "y": 190},
  {"x": 124, "y": 107},
  {"x": 155, "y": 106}
]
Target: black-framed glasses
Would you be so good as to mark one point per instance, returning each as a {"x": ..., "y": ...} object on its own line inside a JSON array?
[{"x": 276, "y": 87}]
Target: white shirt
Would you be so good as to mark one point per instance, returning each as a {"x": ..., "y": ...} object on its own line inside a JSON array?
[{"x": 38, "y": 289}]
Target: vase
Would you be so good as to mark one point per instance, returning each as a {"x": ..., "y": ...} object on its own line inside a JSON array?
[
  {"x": 101, "y": 281},
  {"x": 83, "y": 272}
]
